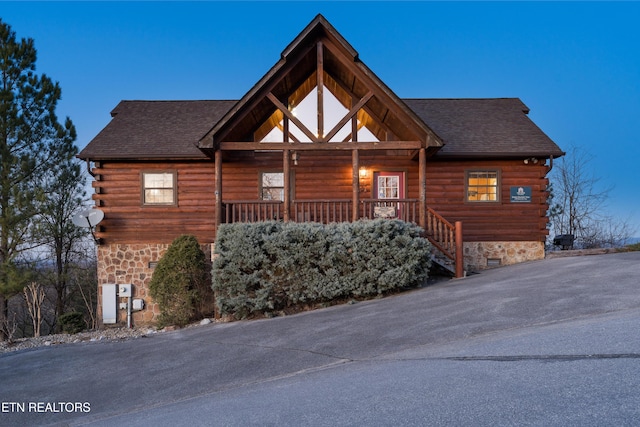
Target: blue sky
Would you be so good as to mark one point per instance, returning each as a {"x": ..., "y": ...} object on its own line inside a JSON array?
[{"x": 575, "y": 64}]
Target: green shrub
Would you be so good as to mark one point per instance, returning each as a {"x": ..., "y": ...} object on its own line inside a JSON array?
[
  {"x": 72, "y": 322},
  {"x": 633, "y": 247},
  {"x": 179, "y": 281},
  {"x": 269, "y": 266}
]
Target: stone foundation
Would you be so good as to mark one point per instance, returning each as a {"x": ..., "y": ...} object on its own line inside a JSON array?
[
  {"x": 483, "y": 255},
  {"x": 123, "y": 263}
]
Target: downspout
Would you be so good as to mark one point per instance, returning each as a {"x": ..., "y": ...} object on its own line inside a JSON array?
[{"x": 89, "y": 169}]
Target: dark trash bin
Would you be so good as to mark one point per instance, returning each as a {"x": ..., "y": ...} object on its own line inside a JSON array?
[{"x": 564, "y": 240}]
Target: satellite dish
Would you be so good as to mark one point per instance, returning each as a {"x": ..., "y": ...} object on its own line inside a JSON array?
[{"x": 88, "y": 218}]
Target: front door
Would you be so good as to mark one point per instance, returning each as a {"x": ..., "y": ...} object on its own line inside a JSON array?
[{"x": 388, "y": 189}]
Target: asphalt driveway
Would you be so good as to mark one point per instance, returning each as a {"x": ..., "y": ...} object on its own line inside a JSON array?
[{"x": 553, "y": 342}]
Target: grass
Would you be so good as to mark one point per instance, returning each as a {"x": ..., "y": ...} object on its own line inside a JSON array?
[{"x": 631, "y": 248}]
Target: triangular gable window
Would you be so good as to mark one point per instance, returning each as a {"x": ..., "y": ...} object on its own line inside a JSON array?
[
  {"x": 319, "y": 95},
  {"x": 306, "y": 111}
]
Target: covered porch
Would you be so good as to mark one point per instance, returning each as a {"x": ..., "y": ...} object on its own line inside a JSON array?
[
  {"x": 445, "y": 236},
  {"x": 321, "y": 102}
]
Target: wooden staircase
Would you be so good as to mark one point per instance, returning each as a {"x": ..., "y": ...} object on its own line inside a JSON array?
[{"x": 447, "y": 240}]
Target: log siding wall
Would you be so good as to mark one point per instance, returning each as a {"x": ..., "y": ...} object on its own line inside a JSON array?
[
  {"x": 319, "y": 176},
  {"x": 118, "y": 188},
  {"x": 491, "y": 221}
]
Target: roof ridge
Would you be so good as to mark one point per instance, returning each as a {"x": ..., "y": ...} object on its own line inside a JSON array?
[
  {"x": 467, "y": 99},
  {"x": 178, "y": 100}
]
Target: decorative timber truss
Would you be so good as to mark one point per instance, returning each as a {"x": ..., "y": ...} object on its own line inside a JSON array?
[{"x": 320, "y": 97}]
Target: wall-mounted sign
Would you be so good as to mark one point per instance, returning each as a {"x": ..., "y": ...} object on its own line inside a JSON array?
[
  {"x": 384, "y": 212},
  {"x": 520, "y": 194}
]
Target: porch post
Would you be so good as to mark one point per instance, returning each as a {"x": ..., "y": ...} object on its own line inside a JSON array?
[
  {"x": 422, "y": 176},
  {"x": 218, "y": 188},
  {"x": 355, "y": 179},
  {"x": 459, "y": 250},
  {"x": 286, "y": 172}
]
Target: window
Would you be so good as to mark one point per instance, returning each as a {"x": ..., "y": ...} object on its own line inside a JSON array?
[
  {"x": 307, "y": 111},
  {"x": 158, "y": 188},
  {"x": 388, "y": 187},
  {"x": 272, "y": 186},
  {"x": 482, "y": 186}
]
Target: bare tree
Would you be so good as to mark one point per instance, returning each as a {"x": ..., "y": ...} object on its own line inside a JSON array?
[
  {"x": 34, "y": 296},
  {"x": 578, "y": 204},
  {"x": 8, "y": 327},
  {"x": 89, "y": 299}
]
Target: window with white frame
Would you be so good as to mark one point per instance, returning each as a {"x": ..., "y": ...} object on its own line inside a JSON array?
[
  {"x": 388, "y": 187},
  {"x": 272, "y": 186},
  {"x": 482, "y": 186},
  {"x": 158, "y": 188}
]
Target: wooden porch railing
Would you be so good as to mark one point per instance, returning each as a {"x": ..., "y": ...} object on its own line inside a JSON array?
[
  {"x": 445, "y": 236},
  {"x": 323, "y": 211},
  {"x": 252, "y": 211}
]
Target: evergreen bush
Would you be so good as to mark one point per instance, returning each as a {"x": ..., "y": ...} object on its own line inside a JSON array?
[
  {"x": 269, "y": 266},
  {"x": 179, "y": 281},
  {"x": 72, "y": 322}
]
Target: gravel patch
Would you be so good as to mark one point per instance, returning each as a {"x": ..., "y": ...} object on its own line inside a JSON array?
[{"x": 103, "y": 335}]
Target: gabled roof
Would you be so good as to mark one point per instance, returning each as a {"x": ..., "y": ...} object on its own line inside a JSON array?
[
  {"x": 319, "y": 48},
  {"x": 493, "y": 127},
  {"x": 155, "y": 130},
  {"x": 490, "y": 128},
  {"x": 468, "y": 128}
]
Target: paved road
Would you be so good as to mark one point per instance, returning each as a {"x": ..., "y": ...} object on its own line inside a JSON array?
[{"x": 553, "y": 342}]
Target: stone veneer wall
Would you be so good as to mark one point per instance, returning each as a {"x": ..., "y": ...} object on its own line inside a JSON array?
[
  {"x": 477, "y": 254},
  {"x": 124, "y": 263}
]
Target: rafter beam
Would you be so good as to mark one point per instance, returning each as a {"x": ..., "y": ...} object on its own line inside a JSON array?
[
  {"x": 331, "y": 146},
  {"x": 268, "y": 83},
  {"x": 379, "y": 121},
  {"x": 280, "y": 106},
  {"x": 320, "y": 88},
  {"x": 382, "y": 93},
  {"x": 354, "y": 110}
]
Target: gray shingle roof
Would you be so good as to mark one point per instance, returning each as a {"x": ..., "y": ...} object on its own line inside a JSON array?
[
  {"x": 496, "y": 127},
  {"x": 155, "y": 130}
]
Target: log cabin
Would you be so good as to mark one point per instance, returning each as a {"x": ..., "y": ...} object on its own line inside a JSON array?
[{"x": 319, "y": 138}]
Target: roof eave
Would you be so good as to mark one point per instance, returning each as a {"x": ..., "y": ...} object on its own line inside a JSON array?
[
  {"x": 130, "y": 157},
  {"x": 207, "y": 140},
  {"x": 500, "y": 155},
  {"x": 435, "y": 140}
]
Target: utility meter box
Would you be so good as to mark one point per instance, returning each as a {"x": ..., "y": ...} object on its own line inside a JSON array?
[
  {"x": 109, "y": 312},
  {"x": 124, "y": 290},
  {"x": 138, "y": 304}
]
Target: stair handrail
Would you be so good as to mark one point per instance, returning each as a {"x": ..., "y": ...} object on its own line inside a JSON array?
[{"x": 446, "y": 237}]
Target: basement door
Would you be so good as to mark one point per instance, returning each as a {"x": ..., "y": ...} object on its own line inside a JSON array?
[{"x": 388, "y": 189}]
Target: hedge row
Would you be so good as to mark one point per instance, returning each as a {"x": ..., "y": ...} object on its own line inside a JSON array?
[{"x": 266, "y": 267}]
